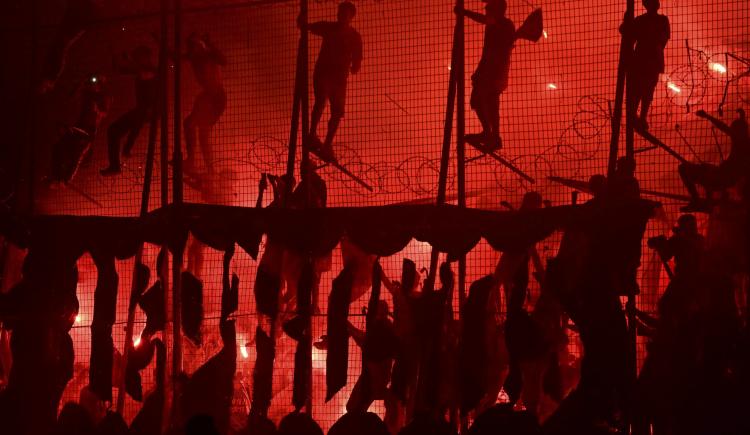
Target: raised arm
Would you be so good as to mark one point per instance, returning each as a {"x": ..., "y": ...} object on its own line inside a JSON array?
[
  {"x": 474, "y": 16},
  {"x": 319, "y": 28},
  {"x": 715, "y": 121}
]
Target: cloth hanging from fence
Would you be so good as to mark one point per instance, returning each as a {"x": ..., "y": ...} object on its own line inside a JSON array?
[{"x": 381, "y": 231}]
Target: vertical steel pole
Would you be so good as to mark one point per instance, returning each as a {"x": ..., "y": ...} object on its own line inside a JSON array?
[
  {"x": 445, "y": 153},
  {"x": 164, "y": 179},
  {"x": 164, "y": 104},
  {"x": 32, "y": 112},
  {"x": 460, "y": 144},
  {"x": 177, "y": 198},
  {"x": 145, "y": 197},
  {"x": 294, "y": 129},
  {"x": 625, "y": 46},
  {"x": 304, "y": 96}
]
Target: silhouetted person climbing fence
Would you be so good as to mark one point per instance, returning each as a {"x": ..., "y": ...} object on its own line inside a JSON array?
[
  {"x": 671, "y": 364},
  {"x": 69, "y": 152},
  {"x": 728, "y": 173},
  {"x": 206, "y": 61},
  {"x": 379, "y": 348},
  {"x": 490, "y": 79},
  {"x": 340, "y": 54},
  {"x": 650, "y": 33},
  {"x": 139, "y": 65}
]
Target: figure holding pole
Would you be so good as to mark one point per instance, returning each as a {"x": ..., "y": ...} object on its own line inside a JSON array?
[
  {"x": 340, "y": 54},
  {"x": 650, "y": 33},
  {"x": 490, "y": 79},
  {"x": 138, "y": 64}
]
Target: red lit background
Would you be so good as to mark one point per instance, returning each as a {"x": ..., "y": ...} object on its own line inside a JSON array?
[{"x": 554, "y": 122}]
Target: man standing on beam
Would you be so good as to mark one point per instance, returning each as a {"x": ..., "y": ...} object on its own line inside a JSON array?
[
  {"x": 340, "y": 54},
  {"x": 650, "y": 32},
  {"x": 491, "y": 76}
]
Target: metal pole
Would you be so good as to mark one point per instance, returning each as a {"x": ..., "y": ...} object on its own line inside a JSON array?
[
  {"x": 630, "y": 305},
  {"x": 448, "y": 125},
  {"x": 630, "y": 108},
  {"x": 460, "y": 144},
  {"x": 31, "y": 122},
  {"x": 145, "y": 197},
  {"x": 177, "y": 121},
  {"x": 304, "y": 93},
  {"x": 446, "y": 149},
  {"x": 164, "y": 104},
  {"x": 177, "y": 197},
  {"x": 304, "y": 98},
  {"x": 625, "y": 46},
  {"x": 164, "y": 179},
  {"x": 294, "y": 130}
]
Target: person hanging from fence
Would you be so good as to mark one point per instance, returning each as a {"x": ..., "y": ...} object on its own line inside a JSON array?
[
  {"x": 677, "y": 355},
  {"x": 379, "y": 350},
  {"x": 340, "y": 54},
  {"x": 686, "y": 246},
  {"x": 406, "y": 365},
  {"x": 70, "y": 151},
  {"x": 311, "y": 192},
  {"x": 522, "y": 335},
  {"x": 78, "y": 17},
  {"x": 490, "y": 79},
  {"x": 650, "y": 33},
  {"x": 728, "y": 173},
  {"x": 207, "y": 62},
  {"x": 140, "y": 65}
]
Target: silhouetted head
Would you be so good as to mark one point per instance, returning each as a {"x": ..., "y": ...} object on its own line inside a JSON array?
[
  {"x": 346, "y": 12},
  {"x": 598, "y": 185},
  {"x": 112, "y": 424},
  {"x": 201, "y": 424},
  {"x": 739, "y": 126},
  {"x": 531, "y": 201},
  {"x": 446, "y": 275},
  {"x": 651, "y": 5},
  {"x": 496, "y": 8},
  {"x": 91, "y": 402},
  {"x": 687, "y": 224},
  {"x": 259, "y": 425},
  {"x": 359, "y": 423},
  {"x": 73, "y": 420},
  {"x": 625, "y": 166},
  {"x": 409, "y": 276},
  {"x": 298, "y": 423}
]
